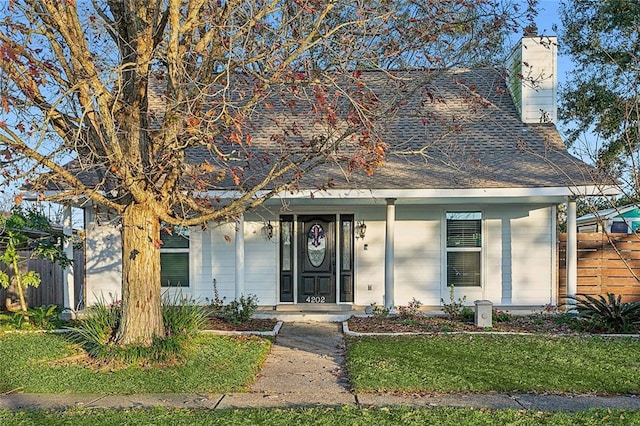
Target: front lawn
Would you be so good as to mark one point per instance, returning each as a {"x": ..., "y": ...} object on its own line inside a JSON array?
[
  {"x": 48, "y": 363},
  {"x": 319, "y": 416},
  {"x": 500, "y": 363}
]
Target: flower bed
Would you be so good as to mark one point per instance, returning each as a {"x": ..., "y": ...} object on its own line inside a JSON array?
[{"x": 539, "y": 323}]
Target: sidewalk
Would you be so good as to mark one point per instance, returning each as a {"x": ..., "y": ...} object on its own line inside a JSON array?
[{"x": 305, "y": 368}]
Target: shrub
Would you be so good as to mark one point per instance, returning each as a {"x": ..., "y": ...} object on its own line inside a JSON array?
[
  {"x": 217, "y": 303},
  {"x": 16, "y": 320},
  {"x": 44, "y": 317},
  {"x": 239, "y": 311},
  {"x": 378, "y": 311},
  {"x": 411, "y": 310},
  {"x": 40, "y": 318},
  {"x": 501, "y": 316},
  {"x": 608, "y": 313},
  {"x": 454, "y": 309},
  {"x": 467, "y": 314},
  {"x": 570, "y": 319}
]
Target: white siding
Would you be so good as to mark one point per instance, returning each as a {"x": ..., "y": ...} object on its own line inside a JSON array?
[
  {"x": 532, "y": 258},
  {"x": 103, "y": 259},
  {"x": 212, "y": 256},
  {"x": 261, "y": 261},
  {"x": 223, "y": 261},
  {"x": 418, "y": 255},
  {"x": 369, "y": 258},
  {"x": 519, "y": 250}
]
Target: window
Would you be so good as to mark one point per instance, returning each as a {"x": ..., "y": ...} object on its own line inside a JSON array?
[
  {"x": 174, "y": 258},
  {"x": 346, "y": 256},
  {"x": 464, "y": 248},
  {"x": 286, "y": 258}
]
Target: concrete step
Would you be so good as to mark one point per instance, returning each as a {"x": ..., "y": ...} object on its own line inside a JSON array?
[
  {"x": 314, "y": 307},
  {"x": 303, "y": 316}
]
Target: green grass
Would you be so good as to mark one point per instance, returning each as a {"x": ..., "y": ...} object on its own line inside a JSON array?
[
  {"x": 318, "y": 416},
  {"x": 31, "y": 363},
  {"x": 485, "y": 363}
]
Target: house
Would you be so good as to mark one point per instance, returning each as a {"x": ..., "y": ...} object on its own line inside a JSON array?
[
  {"x": 621, "y": 220},
  {"x": 476, "y": 209}
]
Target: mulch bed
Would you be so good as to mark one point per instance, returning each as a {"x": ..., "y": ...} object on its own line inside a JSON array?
[
  {"x": 543, "y": 324},
  {"x": 423, "y": 324},
  {"x": 253, "y": 324}
]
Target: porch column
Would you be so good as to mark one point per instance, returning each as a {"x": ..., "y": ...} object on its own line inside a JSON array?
[
  {"x": 240, "y": 257},
  {"x": 572, "y": 251},
  {"x": 68, "y": 281},
  {"x": 389, "y": 255}
]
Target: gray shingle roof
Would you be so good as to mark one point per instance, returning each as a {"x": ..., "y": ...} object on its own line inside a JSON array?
[
  {"x": 469, "y": 136},
  {"x": 458, "y": 129}
]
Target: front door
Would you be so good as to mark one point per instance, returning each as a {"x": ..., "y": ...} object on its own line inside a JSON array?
[{"x": 317, "y": 261}]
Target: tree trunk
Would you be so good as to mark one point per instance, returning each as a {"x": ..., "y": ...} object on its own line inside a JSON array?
[
  {"x": 12, "y": 301},
  {"x": 141, "y": 295},
  {"x": 19, "y": 287}
]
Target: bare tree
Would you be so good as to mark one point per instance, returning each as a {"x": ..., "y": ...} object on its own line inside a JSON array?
[{"x": 187, "y": 111}]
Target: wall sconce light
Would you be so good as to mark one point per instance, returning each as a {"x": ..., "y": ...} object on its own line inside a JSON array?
[
  {"x": 361, "y": 229},
  {"x": 268, "y": 230}
]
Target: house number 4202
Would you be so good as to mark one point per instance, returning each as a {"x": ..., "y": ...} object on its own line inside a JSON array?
[{"x": 315, "y": 299}]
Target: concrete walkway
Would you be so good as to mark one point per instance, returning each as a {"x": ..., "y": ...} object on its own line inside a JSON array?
[{"x": 305, "y": 368}]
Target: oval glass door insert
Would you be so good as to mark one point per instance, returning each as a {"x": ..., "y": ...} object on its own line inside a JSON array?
[{"x": 316, "y": 245}]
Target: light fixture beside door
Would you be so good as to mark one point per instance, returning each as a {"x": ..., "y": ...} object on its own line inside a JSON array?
[{"x": 361, "y": 229}]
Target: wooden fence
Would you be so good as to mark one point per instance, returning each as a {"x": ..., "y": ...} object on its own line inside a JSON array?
[
  {"x": 51, "y": 291},
  {"x": 607, "y": 263}
]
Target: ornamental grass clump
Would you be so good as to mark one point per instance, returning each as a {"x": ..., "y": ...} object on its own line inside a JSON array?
[
  {"x": 183, "y": 316},
  {"x": 608, "y": 313},
  {"x": 96, "y": 333}
]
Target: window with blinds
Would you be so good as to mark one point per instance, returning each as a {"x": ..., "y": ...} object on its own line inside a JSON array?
[
  {"x": 174, "y": 258},
  {"x": 464, "y": 248}
]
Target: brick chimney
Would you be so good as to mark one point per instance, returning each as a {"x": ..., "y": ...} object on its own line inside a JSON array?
[{"x": 532, "y": 68}]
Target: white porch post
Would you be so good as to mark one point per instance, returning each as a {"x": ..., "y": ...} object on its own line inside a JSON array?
[
  {"x": 240, "y": 257},
  {"x": 68, "y": 281},
  {"x": 389, "y": 255},
  {"x": 572, "y": 251}
]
